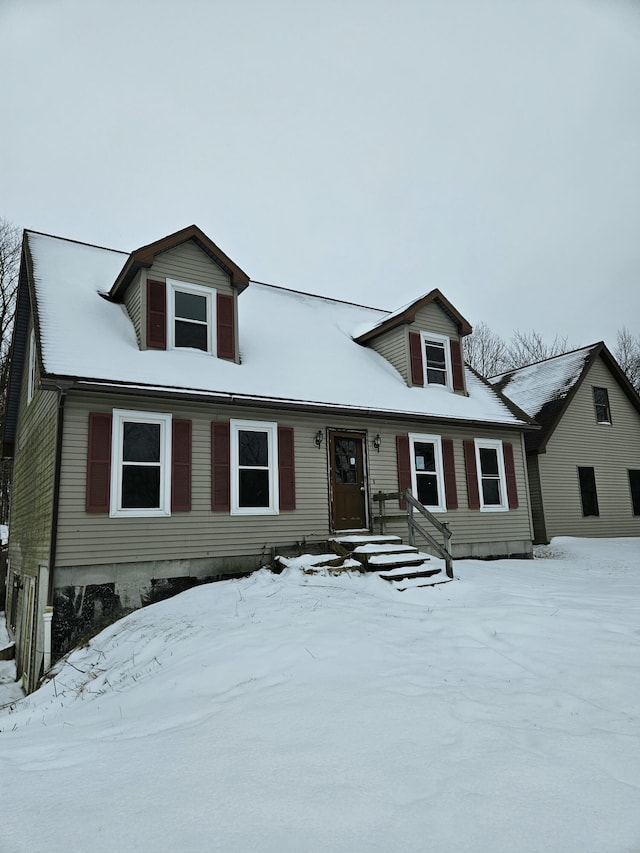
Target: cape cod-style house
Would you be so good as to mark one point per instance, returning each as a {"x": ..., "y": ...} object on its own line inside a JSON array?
[{"x": 171, "y": 421}]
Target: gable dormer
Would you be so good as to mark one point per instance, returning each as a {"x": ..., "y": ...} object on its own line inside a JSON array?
[
  {"x": 423, "y": 342},
  {"x": 182, "y": 292}
]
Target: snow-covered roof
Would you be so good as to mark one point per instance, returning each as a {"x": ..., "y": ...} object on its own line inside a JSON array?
[
  {"x": 294, "y": 347},
  {"x": 406, "y": 313},
  {"x": 533, "y": 387},
  {"x": 541, "y": 389}
]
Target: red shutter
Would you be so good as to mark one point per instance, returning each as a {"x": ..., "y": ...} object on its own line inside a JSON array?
[
  {"x": 286, "y": 469},
  {"x": 457, "y": 366},
  {"x": 156, "y": 315},
  {"x": 225, "y": 321},
  {"x": 181, "y": 466},
  {"x": 98, "y": 463},
  {"x": 450, "y": 488},
  {"x": 472, "y": 474},
  {"x": 415, "y": 351},
  {"x": 220, "y": 468},
  {"x": 404, "y": 465},
  {"x": 510, "y": 471}
]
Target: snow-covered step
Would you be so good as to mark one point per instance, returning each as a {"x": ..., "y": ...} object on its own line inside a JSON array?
[
  {"x": 355, "y": 539},
  {"x": 416, "y": 583},
  {"x": 422, "y": 570},
  {"x": 372, "y": 548},
  {"x": 392, "y": 561}
]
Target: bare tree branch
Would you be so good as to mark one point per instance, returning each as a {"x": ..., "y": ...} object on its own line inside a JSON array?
[
  {"x": 627, "y": 353},
  {"x": 10, "y": 240},
  {"x": 528, "y": 347},
  {"x": 485, "y": 351}
]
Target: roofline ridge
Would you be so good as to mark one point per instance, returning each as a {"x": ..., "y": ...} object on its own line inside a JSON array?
[
  {"x": 77, "y": 242},
  {"x": 510, "y": 371},
  {"x": 319, "y": 296}
]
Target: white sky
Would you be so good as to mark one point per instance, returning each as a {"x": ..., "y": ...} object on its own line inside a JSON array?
[{"x": 361, "y": 149}]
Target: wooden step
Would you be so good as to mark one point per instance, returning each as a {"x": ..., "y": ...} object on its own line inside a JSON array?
[
  {"x": 423, "y": 570},
  {"x": 419, "y": 583},
  {"x": 354, "y": 540},
  {"x": 382, "y": 548},
  {"x": 396, "y": 561}
]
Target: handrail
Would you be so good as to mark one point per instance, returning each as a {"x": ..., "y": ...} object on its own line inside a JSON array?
[{"x": 413, "y": 527}]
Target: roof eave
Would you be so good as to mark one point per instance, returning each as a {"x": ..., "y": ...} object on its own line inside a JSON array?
[{"x": 77, "y": 383}]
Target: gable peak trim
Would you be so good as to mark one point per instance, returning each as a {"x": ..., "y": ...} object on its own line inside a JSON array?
[
  {"x": 408, "y": 315},
  {"x": 144, "y": 257}
]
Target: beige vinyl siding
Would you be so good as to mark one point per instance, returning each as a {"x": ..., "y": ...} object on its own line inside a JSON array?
[
  {"x": 85, "y": 539},
  {"x": 187, "y": 262},
  {"x": 133, "y": 303},
  {"x": 394, "y": 346},
  {"x": 431, "y": 318},
  {"x": 611, "y": 449},
  {"x": 33, "y": 477},
  {"x": 30, "y": 521}
]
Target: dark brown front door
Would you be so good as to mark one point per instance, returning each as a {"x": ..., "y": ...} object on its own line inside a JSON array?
[{"x": 348, "y": 492}]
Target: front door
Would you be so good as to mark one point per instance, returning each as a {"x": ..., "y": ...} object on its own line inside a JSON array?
[{"x": 348, "y": 487}]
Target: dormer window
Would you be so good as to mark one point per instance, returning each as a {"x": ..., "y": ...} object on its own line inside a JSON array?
[
  {"x": 190, "y": 320},
  {"x": 181, "y": 315},
  {"x": 437, "y": 360}
]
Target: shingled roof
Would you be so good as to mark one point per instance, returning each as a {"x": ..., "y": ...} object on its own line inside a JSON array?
[{"x": 544, "y": 390}]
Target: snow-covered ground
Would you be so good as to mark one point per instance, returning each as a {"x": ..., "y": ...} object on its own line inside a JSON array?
[{"x": 500, "y": 712}]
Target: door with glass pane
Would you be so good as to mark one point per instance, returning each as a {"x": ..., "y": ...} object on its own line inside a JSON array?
[{"x": 348, "y": 486}]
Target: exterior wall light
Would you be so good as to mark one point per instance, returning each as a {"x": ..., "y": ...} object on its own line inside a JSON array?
[
  {"x": 377, "y": 441},
  {"x": 319, "y": 438}
]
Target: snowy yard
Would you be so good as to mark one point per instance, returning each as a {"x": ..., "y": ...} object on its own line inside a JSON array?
[{"x": 500, "y": 712}]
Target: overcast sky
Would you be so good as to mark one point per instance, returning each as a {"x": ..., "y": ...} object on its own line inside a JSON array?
[{"x": 361, "y": 149}]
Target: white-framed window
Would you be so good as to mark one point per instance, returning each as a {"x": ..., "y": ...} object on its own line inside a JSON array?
[
  {"x": 190, "y": 316},
  {"x": 427, "y": 480},
  {"x": 436, "y": 351},
  {"x": 254, "y": 468},
  {"x": 601, "y": 404},
  {"x": 31, "y": 367},
  {"x": 492, "y": 482},
  {"x": 140, "y": 464}
]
